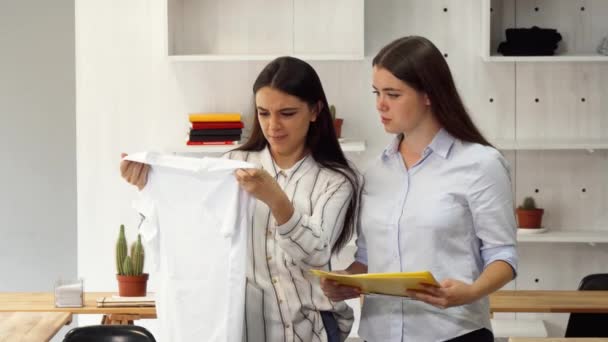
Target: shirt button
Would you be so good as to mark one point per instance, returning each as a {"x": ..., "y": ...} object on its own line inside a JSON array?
[
  {"x": 269, "y": 233},
  {"x": 280, "y": 301},
  {"x": 269, "y": 258},
  {"x": 288, "y": 326},
  {"x": 274, "y": 280}
]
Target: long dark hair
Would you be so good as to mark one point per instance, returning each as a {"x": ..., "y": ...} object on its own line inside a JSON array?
[
  {"x": 417, "y": 61},
  {"x": 297, "y": 78}
]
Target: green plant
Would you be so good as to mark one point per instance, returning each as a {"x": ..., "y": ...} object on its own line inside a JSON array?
[
  {"x": 528, "y": 204},
  {"x": 137, "y": 256},
  {"x": 127, "y": 266},
  {"x": 121, "y": 250},
  {"x": 133, "y": 264},
  {"x": 332, "y": 110}
]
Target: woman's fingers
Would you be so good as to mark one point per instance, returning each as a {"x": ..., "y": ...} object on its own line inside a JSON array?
[
  {"x": 337, "y": 292},
  {"x": 133, "y": 172},
  {"x": 124, "y": 166},
  {"x": 143, "y": 177},
  {"x": 249, "y": 179},
  {"x": 242, "y": 175},
  {"x": 247, "y": 174}
]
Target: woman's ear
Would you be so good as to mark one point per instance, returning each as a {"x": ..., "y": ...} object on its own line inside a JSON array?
[
  {"x": 316, "y": 110},
  {"x": 427, "y": 101}
]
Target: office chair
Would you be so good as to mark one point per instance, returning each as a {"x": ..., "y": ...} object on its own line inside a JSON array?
[
  {"x": 590, "y": 324},
  {"x": 109, "y": 333}
]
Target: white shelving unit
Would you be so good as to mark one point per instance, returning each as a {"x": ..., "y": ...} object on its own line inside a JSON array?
[
  {"x": 239, "y": 57},
  {"x": 559, "y": 58},
  {"x": 347, "y": 146},
  {"x": 244, "y": 30},
  {"x": 559, "y": 144},
  {"x": 582, "y": 25},
  {"x": 569, "y": 236}
]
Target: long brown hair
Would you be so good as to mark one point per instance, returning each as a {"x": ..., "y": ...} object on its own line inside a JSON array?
[
  {"x": 417, "y": 62},
  {"x": 297, "y": 78}
]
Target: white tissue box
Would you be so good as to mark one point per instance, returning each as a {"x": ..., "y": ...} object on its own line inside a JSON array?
[{"x": 69, "y": 294}]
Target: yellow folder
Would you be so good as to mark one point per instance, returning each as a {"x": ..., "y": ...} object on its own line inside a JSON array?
[
  {"x": 394, "y": 284},
  {"x": 214, "y": 117}
]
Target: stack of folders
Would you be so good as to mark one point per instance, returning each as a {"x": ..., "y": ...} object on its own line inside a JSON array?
[
  {"x": 117, "y": 301},
  {"x": 391, "y": 284},
  {"x": 215, "y": 128}
]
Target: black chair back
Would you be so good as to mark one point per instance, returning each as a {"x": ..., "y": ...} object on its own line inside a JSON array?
[
  {"x": 109, "y": 333},
  {"x": 590, "y": 324}
]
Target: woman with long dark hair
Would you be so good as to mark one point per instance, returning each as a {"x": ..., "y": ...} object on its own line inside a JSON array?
[
  {"x": 439, "y": 198},
  {"x": 306, "y": 206}
]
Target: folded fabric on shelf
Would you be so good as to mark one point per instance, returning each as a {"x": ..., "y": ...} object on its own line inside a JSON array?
[
  {"x": 214, "y": 117},
  {"x": 215, "y": 137},
  {"x": 201, "y": 143},
  {"x": 533, "y": 41},
  {"x": 216, "y": 125},
  {"x": 211, "y": 132}
]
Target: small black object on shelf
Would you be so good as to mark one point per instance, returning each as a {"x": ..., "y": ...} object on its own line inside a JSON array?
[{"x": 533, "y": 41}]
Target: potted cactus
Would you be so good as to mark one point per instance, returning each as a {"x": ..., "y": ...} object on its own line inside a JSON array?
[
  {"x": 528, "y": 215},
  {"x": 132, "y": 281},
  {"x": 337, "y": 122}
]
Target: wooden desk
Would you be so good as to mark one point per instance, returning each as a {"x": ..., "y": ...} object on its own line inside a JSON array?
[
  {"x": 558, "y": 339},
  {"x": 501, "y": 301},
  {"x": 31, "y": 326},
  {"x": 44, "y": 302},
  {"x": 549, "y": 301}
]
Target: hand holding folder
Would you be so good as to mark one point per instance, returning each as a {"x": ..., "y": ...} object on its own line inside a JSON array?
[{"x": 393, "y": 284}]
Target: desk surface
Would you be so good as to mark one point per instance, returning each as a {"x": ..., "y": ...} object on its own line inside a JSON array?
[
  {"x": 44, "y": 302},
  {"x": 549, "y": 301},
  {"x": 501, "y": 301},
  {"x": 31, "y": 326}
]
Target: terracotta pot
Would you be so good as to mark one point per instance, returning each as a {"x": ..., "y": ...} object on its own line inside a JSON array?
[
  {"x": 338, "y": 127},
  {"x": 132, "y": 286},
  {"x": 531, "y": 218}
]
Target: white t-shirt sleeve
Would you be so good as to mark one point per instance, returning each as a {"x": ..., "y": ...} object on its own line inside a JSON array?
[{"x": 149, "y": 228}]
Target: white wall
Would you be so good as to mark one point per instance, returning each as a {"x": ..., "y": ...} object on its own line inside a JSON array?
[
  {"x": 131, "y": 98},
  {"x": 37, "y": 144}
]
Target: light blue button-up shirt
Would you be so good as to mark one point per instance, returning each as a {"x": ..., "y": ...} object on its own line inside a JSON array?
[{"x": 452, "y": 214}]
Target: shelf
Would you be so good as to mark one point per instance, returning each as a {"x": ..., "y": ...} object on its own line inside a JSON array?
[
  {"x": 254, "y": 57},
  {"x": 347, "y": 146},
  {"x": 557, "y": 58},
  {"x": 242, "y": 30},
  {"x": 519, "y": 328},
  {"x": 558, "y": 144},
  {"x": 572, "y": 236},
  {"x": 583, "y": 236},
  {"x": 581, "y": 27},
  {"x": 353, "y": 145}
]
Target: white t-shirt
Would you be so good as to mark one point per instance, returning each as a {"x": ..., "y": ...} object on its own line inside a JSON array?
[{"x": 195, "y": 231}]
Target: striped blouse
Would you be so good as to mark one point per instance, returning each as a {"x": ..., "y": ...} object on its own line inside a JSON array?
[{"x": 283, "y": 301}]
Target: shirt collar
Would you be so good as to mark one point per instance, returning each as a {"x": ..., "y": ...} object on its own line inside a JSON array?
[
  {"x": 441, "y": 144},
  {"x": 288, "y": 172},
  {"x": 293, "y": 173},
  {"x": 393, "y": 147}
]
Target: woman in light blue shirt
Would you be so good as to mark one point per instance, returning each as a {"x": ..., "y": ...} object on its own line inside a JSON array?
[{"x": 438, "y": 198}]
